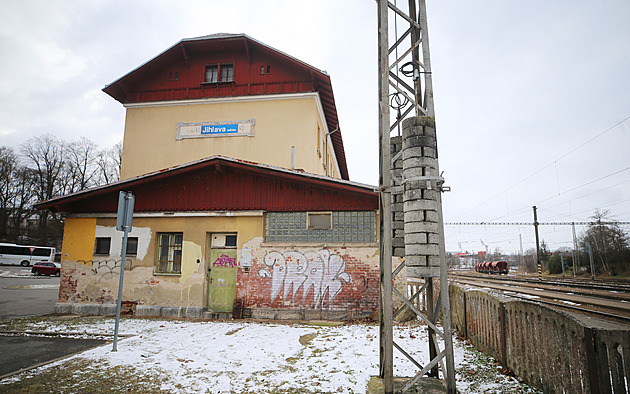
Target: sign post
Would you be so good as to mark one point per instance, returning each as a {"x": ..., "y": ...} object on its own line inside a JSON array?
[{"x": 123, "y": 223}]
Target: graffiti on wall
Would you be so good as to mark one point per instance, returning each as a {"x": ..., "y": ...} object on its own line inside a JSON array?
[
  {"x": 319, "y": 271},
  {"x": 224, "y": 261},
  {"x": 107, "y": 269}
]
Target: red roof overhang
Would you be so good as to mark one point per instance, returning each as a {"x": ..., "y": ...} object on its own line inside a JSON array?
[{"x": 222, "y": 184}]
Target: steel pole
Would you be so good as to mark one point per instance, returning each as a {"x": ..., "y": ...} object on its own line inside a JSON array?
[
  {"x": 575, "y": 249},
  {"x": 590, "y": 257},
  {"x": 120, "y": 287},
  {"x": 386, "y": 306},
  {"x": 537, "y": 245}
]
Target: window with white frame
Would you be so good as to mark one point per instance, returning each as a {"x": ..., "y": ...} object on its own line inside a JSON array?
[
  {"x": 227, "y": 72},
  {"x": 222, "y": 72},
  {"x": 170, "y": 253},
  {"x": 212, "y": 73}
]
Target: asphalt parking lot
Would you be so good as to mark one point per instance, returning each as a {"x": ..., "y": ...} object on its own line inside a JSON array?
[
  {"x": 25, "y": 352},
  {"x": 23, "y": 294}
]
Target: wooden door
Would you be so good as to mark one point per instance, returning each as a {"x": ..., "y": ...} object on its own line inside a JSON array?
[{"x": 221, "y": 280}]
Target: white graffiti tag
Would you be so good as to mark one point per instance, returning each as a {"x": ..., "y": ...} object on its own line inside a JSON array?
[{"x": 318, "y": 271}]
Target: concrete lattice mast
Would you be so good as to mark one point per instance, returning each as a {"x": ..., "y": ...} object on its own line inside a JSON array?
[{"x": 417, "y": 189}]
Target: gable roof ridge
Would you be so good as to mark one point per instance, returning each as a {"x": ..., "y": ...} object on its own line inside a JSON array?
[{"x": 216, "y": 36}]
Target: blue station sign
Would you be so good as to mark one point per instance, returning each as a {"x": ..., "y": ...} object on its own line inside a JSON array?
[
  {"x": 220, "y": 129},
  {"x": 230, "y": 128}
]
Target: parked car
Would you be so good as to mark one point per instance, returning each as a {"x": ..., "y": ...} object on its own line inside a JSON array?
[{"x": 46, "y": 268}]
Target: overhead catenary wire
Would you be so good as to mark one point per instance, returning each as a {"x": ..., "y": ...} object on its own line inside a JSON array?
[
  {"x": 554, "y": 162},
  {"x": 523, "y": 209}
]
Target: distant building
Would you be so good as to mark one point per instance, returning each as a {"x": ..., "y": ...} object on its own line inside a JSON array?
[{"x": 233, "y": 152}]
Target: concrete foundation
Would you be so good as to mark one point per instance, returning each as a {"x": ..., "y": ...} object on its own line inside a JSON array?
[{"x": 64, "y": 308}]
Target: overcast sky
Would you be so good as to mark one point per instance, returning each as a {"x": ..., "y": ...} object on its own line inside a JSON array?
[{"x": 532, "y": 98}]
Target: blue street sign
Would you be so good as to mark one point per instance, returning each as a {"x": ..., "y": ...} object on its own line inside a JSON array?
[{"x": 220, "y": 129}]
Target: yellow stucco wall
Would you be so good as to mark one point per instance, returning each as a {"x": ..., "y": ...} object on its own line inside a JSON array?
[
  {"x": 94, "y": 278},
  {"x": 78, "y": 239},
  {"x": 281, "y": 122}
]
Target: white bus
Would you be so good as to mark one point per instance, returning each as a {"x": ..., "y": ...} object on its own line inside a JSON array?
[{"x": 25, "y": 255}]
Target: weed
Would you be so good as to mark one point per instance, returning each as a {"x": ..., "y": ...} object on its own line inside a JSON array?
[{"x": 85, "y": 376}]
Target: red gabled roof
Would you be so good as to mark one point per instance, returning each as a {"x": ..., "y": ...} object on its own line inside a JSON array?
[
  {"x": 143, "y": 84},
  {"x": 220, "y": 183}
]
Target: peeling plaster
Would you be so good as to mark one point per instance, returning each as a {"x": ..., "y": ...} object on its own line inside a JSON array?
[
  {"x": 143, "y": 234},
  {"x": 191, "y": 253}
]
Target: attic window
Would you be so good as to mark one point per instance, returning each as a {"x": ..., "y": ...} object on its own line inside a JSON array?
[
  {"x": 219, "y": 73},
  {"x": 227, "y": 72},
  {"x": 212, "y": 73}
]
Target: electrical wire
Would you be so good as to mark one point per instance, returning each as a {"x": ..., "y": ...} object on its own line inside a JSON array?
[
  {"x": 546, "y": 166},
  {"x": 513, "y": 213}
]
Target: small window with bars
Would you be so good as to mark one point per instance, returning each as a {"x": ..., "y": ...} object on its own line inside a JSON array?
[
  {"x": 102, "y": 245},
  {"x": 132, "y": 246}
]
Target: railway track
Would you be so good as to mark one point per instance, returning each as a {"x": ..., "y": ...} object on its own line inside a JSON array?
[
  {"x": 605, "y": 284},
  {"x": 607, "y": 301}
]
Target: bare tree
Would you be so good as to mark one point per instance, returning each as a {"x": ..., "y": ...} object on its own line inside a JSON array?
[
  {"x": 8, "y": 165},
  {"x": 22, "y": 203},
  {"x": 46, "y": 168},
  {"x": 16, "y": 196},
  {"x": 45, "y": 157},
  {"x": 609, "y": 242},
  {"x": 108, "y": 162},
  {"x": 530, "y": 264},
  {"x": 82, "y": 165}
]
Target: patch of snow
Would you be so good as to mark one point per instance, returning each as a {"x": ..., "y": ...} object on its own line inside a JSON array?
[
  {"x": 16, "y": 274},
  {"x": 238, "y": 356},
  {"x": 21, "y": 287}
]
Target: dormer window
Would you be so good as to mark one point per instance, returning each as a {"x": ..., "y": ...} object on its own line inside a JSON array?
[
  {"x": 212, "y": 73},
  {"x": 227, "y": 72},
  {"x": 223, "y": 72}
]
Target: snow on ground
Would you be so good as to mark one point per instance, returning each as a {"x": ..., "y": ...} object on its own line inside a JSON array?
[
  {"x": 235, "y": 356},
  {"x": 25, "y": 272}
]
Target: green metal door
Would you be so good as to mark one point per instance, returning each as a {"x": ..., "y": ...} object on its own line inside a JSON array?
[{"x": 222, "y": 280}]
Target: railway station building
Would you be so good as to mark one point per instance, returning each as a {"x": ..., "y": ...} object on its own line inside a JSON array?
[{"x": 243, "y": 203}]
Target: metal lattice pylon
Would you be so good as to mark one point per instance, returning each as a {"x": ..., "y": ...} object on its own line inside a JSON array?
[{"x": 402, "y": 72}]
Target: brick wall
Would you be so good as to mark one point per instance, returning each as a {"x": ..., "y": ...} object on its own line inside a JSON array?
[{"x": 310, "y": 278}]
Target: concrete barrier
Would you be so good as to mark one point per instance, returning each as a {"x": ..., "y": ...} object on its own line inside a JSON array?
[
  {"x": 549, "y": 349},
  {"x": 148, "y": 310}
]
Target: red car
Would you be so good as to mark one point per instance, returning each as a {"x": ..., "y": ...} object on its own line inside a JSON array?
[{"x": 46, "y": 268}]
